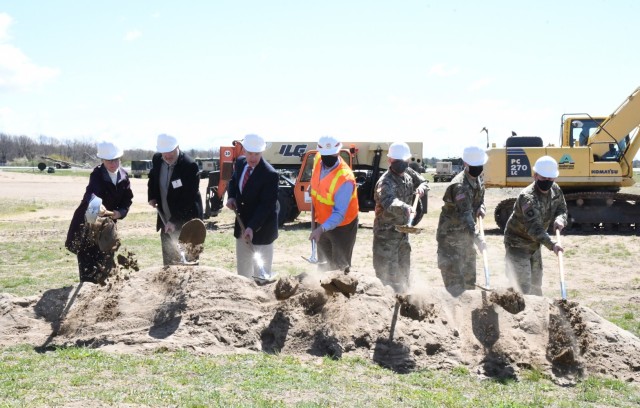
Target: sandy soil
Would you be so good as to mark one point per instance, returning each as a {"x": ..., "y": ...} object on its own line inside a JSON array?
[{"x": 210, "y": 310}]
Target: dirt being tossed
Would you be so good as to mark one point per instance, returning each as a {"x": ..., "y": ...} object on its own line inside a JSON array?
[{"x": 212, "y": 311}]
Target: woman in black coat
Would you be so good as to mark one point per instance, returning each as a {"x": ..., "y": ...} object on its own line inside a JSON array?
[{"x": 110, "y": 183}]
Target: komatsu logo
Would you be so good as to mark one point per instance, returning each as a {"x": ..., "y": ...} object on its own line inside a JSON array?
[
  {"x": 289, "y": 150},
  {"x": 609, "y": 171},
  {"x": 566, "y": 159},
  {"x": 566, "y": 162}
]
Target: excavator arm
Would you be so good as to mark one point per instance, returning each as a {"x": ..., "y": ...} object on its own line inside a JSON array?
[{"x": 620, "y": 129}]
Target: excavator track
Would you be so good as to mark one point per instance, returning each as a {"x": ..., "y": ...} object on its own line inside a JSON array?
[{"x": 590, "y": 212}]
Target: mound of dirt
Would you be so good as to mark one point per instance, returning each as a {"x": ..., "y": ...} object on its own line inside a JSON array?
[{"x": 209, "y": 310}]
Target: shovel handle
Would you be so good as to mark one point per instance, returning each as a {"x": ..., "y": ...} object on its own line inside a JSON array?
[
  {"x": 485, "y": 260},
  {"x": 563, "y": 288},
  {"x": 313, "y": 218},
  {"x": 164, "y": 222},
  {"x": 414, "y": 208}
]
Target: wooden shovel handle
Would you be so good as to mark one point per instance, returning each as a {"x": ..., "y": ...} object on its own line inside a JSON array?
[
  {"x": 415, "y": 202},
  {"x": 563, "y": 288}
]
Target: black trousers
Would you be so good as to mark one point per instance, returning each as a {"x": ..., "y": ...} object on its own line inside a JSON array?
[{"x": 335, "y": 247}]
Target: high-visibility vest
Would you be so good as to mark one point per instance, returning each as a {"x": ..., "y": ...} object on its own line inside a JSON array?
[{"x": 323, "y": 191}]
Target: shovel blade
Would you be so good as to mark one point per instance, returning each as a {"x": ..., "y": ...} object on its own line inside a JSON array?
[
  {"x": 487, "y": 288},
  {"x": 93, "y": 209},
  {"x": 310, "y": 260}
]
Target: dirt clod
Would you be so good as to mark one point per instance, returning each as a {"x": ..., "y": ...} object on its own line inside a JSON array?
[
  {"x": 510, "y": 300},
  {"x": 286, "y": 287},
  {"x": 340, "y": 283},
  {"x": 417, "y": 308},
  {"x": 128, "y": 261}
]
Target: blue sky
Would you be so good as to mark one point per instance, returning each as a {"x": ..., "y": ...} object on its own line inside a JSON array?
[{"x": 212, "y": 71}]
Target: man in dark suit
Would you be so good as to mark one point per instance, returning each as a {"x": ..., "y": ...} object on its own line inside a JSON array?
[
  {"x": 174, "y": 190},
  {"x": 253, "y": 194}
]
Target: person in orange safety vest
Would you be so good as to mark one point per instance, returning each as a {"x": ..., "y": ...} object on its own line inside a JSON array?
[{"x": 335, "y": 207}]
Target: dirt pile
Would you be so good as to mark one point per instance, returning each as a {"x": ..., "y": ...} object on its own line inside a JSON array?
[{"x": 210, "y": 310}]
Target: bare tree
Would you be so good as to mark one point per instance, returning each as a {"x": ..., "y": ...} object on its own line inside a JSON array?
[
  {"x": 6, "y": 145},
  {"x": 26, "y": 147}
]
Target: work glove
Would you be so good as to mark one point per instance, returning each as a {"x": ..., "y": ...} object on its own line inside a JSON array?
[
  {"x": 481, "y": 212},
  {"x": 558, "y": 225},
  {"x": 316, "y": 233}
]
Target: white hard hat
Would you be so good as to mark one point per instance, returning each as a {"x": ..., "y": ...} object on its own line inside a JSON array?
[
  {"x": 254, "y": 144},
  {"x": 399, "y": 151},
  {"x": 474, "y": 156},
  {"x": 328, "y": 145},
  {"x": 108, "y": 151},
  {"x": 166, "y": 143},
  {"x": 546, "y": 166}
]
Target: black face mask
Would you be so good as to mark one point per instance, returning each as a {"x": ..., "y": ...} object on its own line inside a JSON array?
[
  {"x": 329, "y": 161},
  {"x": 398, "y": 166},
  {"x": 475, "y": 171},
  {"x": 544, "y": 185}
]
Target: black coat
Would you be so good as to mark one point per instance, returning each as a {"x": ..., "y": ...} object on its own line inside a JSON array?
[
  {"x": 257, "y": 204},
  {"x": 185, "y": 201},
  {"x": 114, "y": 197}
]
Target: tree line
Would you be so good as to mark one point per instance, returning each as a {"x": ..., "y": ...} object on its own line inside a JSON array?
[{"x": 24, "y": 150}]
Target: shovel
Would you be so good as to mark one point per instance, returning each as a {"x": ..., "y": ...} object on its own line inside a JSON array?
[
  {"x": 563, "y": 289},
  {"x": 259, "y": 279},
  {"x": 313, "y": 259},
  {"x": 183, "y": 259},
  {"x": 410, "y": 229},
  {"x": 192, "y": 236},
  {"x": 485, "y": 259},
  {"x": 93, "y": 209}
]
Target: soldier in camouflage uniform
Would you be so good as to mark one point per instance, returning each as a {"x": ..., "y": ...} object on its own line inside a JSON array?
[
  {"x": 394, "y": 195},
  {"x": 538, "y": 204},
  {"x": 463, "y": 203}
]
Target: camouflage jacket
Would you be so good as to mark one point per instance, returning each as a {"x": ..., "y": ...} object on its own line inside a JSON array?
[
  {"x": 462, "y": 200},
  {"x": 393, "y": 196},
  {"x": 532, "y": 215}
]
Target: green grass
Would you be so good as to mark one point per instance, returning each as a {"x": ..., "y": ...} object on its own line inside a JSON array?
[
  {"x": 626, "y": 316},
  {"x": 33, "y": 259},
  {"x": 69, "y": 375},
  {"x": 75, "y": 172},
  {"x": 10, "y": 207}
]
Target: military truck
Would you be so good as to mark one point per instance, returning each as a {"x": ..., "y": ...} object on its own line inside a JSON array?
[
  {"x": 140, "y": 168},
  {"x": 447, "y": 169},
  {"x": 207, "y": 165}
]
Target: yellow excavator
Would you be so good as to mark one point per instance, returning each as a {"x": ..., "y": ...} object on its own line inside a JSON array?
[{"x": 595, "y": 158}]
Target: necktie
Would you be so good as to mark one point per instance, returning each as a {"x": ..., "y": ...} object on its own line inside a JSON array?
[{"x": 246, "y": 177}]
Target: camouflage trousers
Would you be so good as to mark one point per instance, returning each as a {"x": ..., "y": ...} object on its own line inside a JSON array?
[
  {"x": 392, "y": 259},
  {"x": 524, "y": 269},
  {"x": 457, "y": 262}
]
